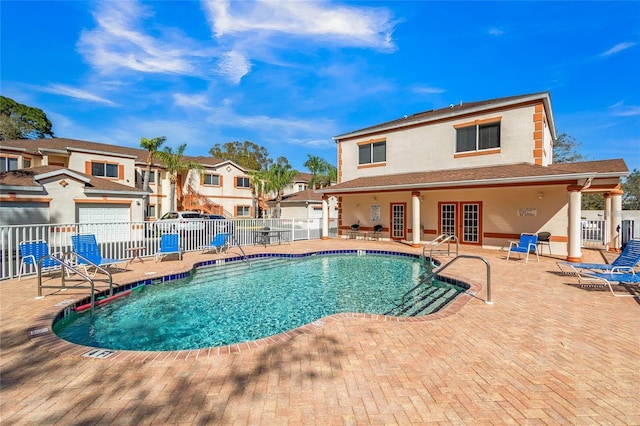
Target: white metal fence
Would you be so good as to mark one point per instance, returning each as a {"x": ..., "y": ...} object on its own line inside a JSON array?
[
  {"x": 117, "y": 239},
  {"x": 595, "y": 232}
]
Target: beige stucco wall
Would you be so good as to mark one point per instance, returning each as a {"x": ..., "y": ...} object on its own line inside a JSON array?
[
  {"x": 65, "y": 200},
  {"x": 432, "y": 147},
  {"x": 500, "y": 211},
  {"x": 77, "y": 161}
]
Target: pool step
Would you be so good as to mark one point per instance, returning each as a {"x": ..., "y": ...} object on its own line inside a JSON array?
[
  {"x": 233, "y": 269},
  {"x": 425, "y": 300}
]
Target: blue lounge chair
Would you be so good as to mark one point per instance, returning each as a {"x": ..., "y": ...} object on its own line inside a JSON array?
[
  {"x": 614, "y": 277},
  {"x": 31, "y": 252},
  {"x": 219, "y": 243},
  {"x": 169, "y": 244},
  {"x": 528, "y": 243},
  {"x": 86, "y": 246},
  {"x": 629, "y": 258}
]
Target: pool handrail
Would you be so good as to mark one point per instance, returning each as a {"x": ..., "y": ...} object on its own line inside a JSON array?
[
  {"x": 488, "y": 301},
  {"x": 65, "y": 267},
  {"x": 432, "y": 273}
]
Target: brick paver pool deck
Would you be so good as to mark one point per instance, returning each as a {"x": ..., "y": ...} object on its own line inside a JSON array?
[{"x": 546, "y": 352}]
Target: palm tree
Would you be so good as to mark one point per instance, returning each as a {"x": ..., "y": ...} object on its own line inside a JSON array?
[
  {"x": 151, "y": 145},
  {"x": 258, "y": 178},
  {"x": 175, "y": 163},
  {"x": 317, "y": 166},
  {"x": 277, "y": 178}
]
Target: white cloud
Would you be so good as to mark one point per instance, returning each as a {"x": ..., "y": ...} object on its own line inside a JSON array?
[
  {"x": 496, "y": 31},
  {"x": 427, "y": 90},
  {"x": 194, "y": 101},
  {"x": 626, "y": 111},
  {"x": 233, "y": 66},
  {"x": 61, "y": 89},
  {"x": 617, "y": 48},
  {"x": 346, "y": 25},
  {"x": 117, "y": 43}
]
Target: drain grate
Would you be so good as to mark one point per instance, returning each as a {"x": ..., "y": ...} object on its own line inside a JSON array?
[
  {"x": 38, "y": 331},
  {"x": 99, "y": 353}
]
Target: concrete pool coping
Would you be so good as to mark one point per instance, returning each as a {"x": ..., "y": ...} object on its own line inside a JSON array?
[
  {"x": 41, "y": 332},
  {"x": 546, "y": 352}
]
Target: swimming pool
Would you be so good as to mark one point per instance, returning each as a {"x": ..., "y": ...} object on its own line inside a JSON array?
[{"x": 236, "y": 302}]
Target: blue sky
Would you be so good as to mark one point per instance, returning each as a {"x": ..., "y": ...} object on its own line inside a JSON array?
[{"x": 290, "y": 75}]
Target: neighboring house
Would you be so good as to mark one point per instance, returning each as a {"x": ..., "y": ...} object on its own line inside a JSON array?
[
  {"x": 305, "y": 204},
  {"x": 116, "y": 179},
  {"x": 300, "y": 183},
  {"x": 55, "y": 194},
  {"x": 482, "y": 171}
]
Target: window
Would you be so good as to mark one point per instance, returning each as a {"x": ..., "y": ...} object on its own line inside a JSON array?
[
  {"x": 104, "y": 170},
  {"x": 302, "y": 187},
  {"x": 243, "y": 211},
  {"x": 375, "y": 152},
  {"x": 242, "y": 182},
  {"x": 8, "y": 164},
  {"x": 26, "y": 163},
  {"x": 140, "y": 176},
  {"x": 478, "y": 137},
  {"x": 211, "y": 179},
  {"x": 151, "y": 210}
]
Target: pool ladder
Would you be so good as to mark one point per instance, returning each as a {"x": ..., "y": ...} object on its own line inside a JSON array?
[
  {"x": 430, "y": 274},
  {"x": 66, "y": 268}
]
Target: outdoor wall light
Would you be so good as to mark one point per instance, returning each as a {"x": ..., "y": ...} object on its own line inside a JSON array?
[{"x": 540, "y": 195}]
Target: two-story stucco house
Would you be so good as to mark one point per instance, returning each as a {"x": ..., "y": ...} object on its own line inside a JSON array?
[
  {"x": 482, "y": 171},
  {"x": 63, "y": 180}
]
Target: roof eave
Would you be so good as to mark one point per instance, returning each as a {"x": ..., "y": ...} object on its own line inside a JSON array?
[
  {"x": 499, "y": 181},
  {"x": 526, "y": 98}
]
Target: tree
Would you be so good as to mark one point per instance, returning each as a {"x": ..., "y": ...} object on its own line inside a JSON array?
[
  {"x": 631, "y": 188},
  {"x": 322, "y": 173},
  {"x": 18, "y": 121},
  {"x": 245, "y": 154},
  {"x": 152, "y": 146},
  {"x": 175, "y": 163},
  {"x": 565, "y": 149},
  {"x": 258, "y": 179},
  {"x": 277, "y": 178}
]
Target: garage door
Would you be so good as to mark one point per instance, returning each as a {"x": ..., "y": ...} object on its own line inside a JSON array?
[
  {"x": 107, "y": 222},
  {"x": 23, "y": 213}
]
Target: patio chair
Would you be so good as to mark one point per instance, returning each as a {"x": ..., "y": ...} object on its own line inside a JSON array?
[
  {"x": 629, "y": 258},
  {"x": 622, "y": 278},
  {"x": 86, "y": 246},
  {"x": 219, "y": 243},
  {"x": 31, "y": 252},
  {"x": 376, "y": 233},
  {"x": 544, "y": 239},
  {"x": 528, "y": 243},
  {"x": 169, "y": 244}
]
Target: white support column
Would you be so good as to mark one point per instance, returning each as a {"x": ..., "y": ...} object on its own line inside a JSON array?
[
  {"x": 615, "y": 244},
  {"x": 415, "y": 216},
  {"x": 575, "y": 237},
  {"x": 325, "y": 217},
  {"x": 606, "y": 238}
]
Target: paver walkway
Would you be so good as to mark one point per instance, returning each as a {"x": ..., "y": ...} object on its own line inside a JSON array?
[{"x": 545, "y": 352}]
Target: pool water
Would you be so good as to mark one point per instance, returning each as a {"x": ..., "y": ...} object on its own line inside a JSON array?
[{"x": 225, "y": 304}]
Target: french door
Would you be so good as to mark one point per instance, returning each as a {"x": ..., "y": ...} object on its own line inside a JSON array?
[
  {"x": 398, "y": 221},
  {"x": 462, "y": 219}
]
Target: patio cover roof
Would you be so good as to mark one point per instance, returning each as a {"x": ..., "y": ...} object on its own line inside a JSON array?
[{"x": 510, "y": 174}]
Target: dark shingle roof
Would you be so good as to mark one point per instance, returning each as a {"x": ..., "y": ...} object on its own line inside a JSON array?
[
  {"x": 451, "y": 112},
  {"x": 26, "y": 178},
  {"x": 33, "y": 146},
  {"x": 479, "y": 176}
]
